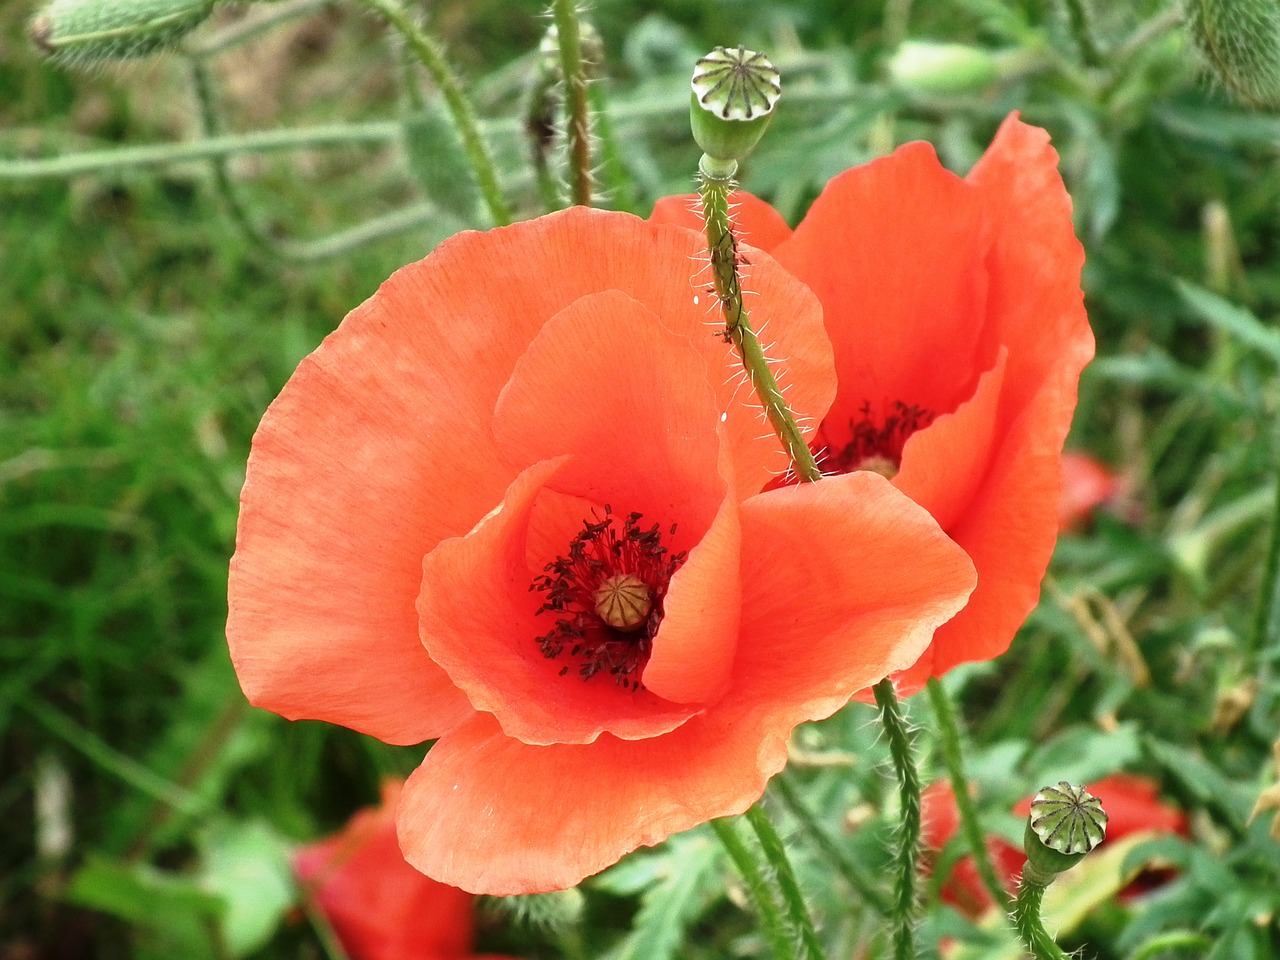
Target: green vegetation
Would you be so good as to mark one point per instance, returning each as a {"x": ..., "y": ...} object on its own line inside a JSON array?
[{"x": 149, "y": 313}]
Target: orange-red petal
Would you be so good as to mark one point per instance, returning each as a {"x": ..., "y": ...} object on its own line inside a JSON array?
[
  {"x": 491, "y": 814},
  {"x": 848, "y": 579},
  {"x": 479, "y": 622},
  {"x": 894, "y": 250},
  {"x": 379, "y": 906},
  {"x": 380, "y": 446}
]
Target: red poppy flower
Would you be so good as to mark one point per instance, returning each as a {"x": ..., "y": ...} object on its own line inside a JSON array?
[
  {"x": 1086, "y": 484},
  {"x": 379, "y": 906},
  {"x": 955, "y": 312},
  {"x": 514, "y": 503},
  {"x": 1132, "y": 804}
]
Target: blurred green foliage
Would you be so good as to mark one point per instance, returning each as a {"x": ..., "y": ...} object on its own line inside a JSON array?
[{"x": 143, "y": 332}]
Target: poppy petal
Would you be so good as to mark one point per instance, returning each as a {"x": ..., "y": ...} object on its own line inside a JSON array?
[
  {"x": 604, "y": 379},
  {"x": 755, "y": 221},
  {"x": 693, "y": 652},
  {"x": 860, "y": 249},
  {"x": 845, "y": 581},
  {"x": 944, "y": 465},
  {"x": 479, "y": 622},
  {"x": 1034, "y": 297},
  {"x": 568, "y": 810}
]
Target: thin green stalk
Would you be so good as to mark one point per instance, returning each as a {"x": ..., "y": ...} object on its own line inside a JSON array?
[
  {"x": 116, "y": 763},
  {"x": 577, "y": 111},
  {"x": 844, "y": 864},
  {"x": 211, "y": 126},
  {"x": 336, "y": 135},
  {"x": 464, "y": 118},
  {"x": 1026, "y": 919},
  {"x": 949, "y": 738},
  {"x": 775, "y": 852},
  {"x": 378, "y": 228},
  {"x": 723, "y": 246},
  {"x": 161, "y": 154},
  {"x": 761, "y": 897},
  {"x": 898, "y": 735}
]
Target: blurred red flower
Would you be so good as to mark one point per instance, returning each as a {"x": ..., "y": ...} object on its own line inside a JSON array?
[
  {"x": 1132, "y": 804},
  {"x": 1086, "y": 484},
  {"x": 515, "y": 503},
  {"x": 955, "y": 311},
  {"x": 379, "y": 906}
]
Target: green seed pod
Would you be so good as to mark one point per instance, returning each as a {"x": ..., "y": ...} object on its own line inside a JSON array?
[
  {"x": 1065, "y": 823},
  {"x": 88, "y": 31},
  {"x": 732, "y": 100},
  {"x": 1239, "y": 41}
]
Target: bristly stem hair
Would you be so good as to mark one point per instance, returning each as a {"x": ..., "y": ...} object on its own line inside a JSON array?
[
  {"x": 775, "y": 852},
  {"x": 952, "y": 756},
  {"x": 428, "y": 51},
  {"x": 898, "y": 734},
  {"x": 723, "y": 247},
  {"x": 578, "y": 113},
  {"x": 1026, "y": 919},
  {"x": 775, "y": 931}
]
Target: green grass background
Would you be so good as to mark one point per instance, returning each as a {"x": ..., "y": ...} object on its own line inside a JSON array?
[{"x": 142, "y": 334}]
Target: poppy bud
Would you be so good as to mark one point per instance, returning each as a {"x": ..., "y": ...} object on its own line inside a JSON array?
[
  {"x": 93, "y": 30},
  {"x": 732, "y": 100},
  {"x": 1065, "y": 823},
  {"x": 1239, "y": 41},
  {"x": 942, "y": 68}
]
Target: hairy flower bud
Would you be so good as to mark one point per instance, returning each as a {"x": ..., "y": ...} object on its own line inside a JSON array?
[
  {"x": 942, "y": 68},
  {"x": 1239, "y": 41},
  {"x": 87, "y": 31}
]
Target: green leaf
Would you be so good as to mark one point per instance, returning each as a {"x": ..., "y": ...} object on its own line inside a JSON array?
[
  {"x": 174, "y": 915},
  {"x": 1231, "y": 319},
  {"x": 1083, "y": 755},
  {"x": 248, "y": 864},
  {"x": 689, "y": 883}
]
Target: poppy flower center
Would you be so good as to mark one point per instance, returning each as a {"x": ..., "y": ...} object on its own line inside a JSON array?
[
  {"x": 874, "y": 442},
  {"x": 606, "y": 593}
]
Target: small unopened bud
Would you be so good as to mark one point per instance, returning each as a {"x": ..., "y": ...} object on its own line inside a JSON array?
[
  {"x": 732, "y": 100},
  {"x": 942, "y": 68},
  {"x": 93, "y": 30},
  {"x": 1239, "y": 40},
  {"x": 1065, "y": 823}
]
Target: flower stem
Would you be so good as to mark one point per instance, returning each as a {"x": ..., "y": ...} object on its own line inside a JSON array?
[
  {"x": 1026, "y": 918},
  {"x": 776, "y": 853},
  {"x": 723, "y": 245},
  {"x": 949, "y": 738},
  {"x": 428, "y": 51},
  {"x": 757, "y": 889},
  {"x": 573, "y": 69},
  {"x": 851, "y": 872},
  {"x": 116, "y": 159},
  {"x": 898, "y": 735}
]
